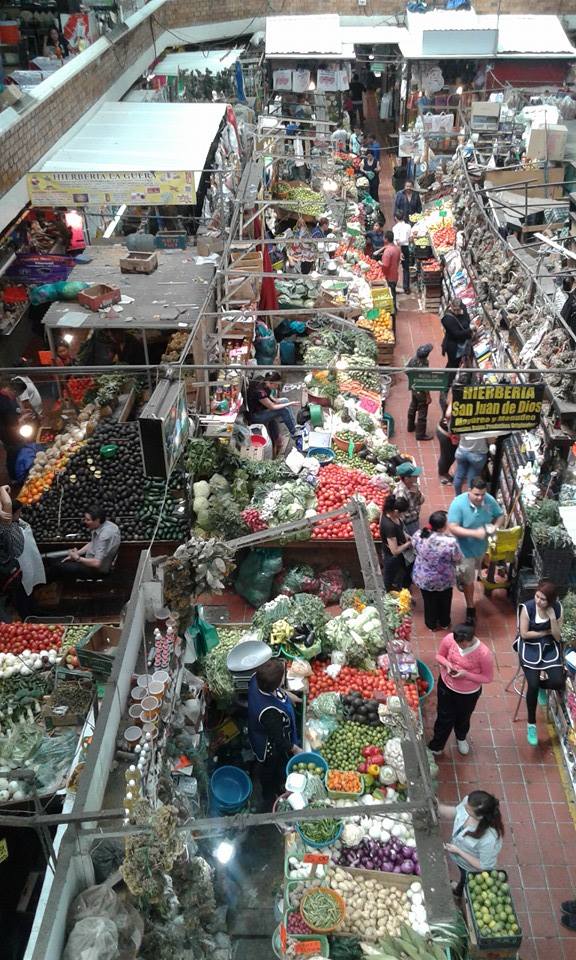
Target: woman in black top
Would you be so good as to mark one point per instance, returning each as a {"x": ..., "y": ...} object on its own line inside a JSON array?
[
  {"x": 262, "y": 408},
  {"x": 457, "y": 332},
  {"x": 396, "y": 544},
  {"x": 371, "y": 168}
]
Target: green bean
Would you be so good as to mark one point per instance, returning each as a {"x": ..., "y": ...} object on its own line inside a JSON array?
[
  {"x": 320, "y": 910},
  {"x": 319, "y": 830}
]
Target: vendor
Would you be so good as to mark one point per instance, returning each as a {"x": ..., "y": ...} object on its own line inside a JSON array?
[
  {"x": 55, "y": 44},
  {"x": 10, "y": 435},
  {"x": 322, "y": 228},
  {"x": 477, "y": 834},
  {"x": 271, "y": 728},
  {"x": 391, "y": 257},
  {"x": 371, "y": 170},
  {"x": 376, "y": 238},
  {"x": 96, "y": 558},
  {"x": 339, "y": 137},
  {"x": 264, "y": 409},
  {"x": 306, "y": 251},
  {"x": 30, "y": 560},
  {"x": 407, "y": 202}
]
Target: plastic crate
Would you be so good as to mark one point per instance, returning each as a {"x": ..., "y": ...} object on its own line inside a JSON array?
[
  {"x": 551, "y": 564},
  {"x": 342, "y": 794},
  {"x": 491, "y": 943}
]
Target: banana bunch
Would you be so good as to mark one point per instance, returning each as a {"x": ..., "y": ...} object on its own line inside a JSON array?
[
  {"x": 409, "y": 946},
  {"x": 280, "y": 633}
]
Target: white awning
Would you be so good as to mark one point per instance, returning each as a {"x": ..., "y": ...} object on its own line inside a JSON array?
[
  {"x": 158, "y": 151},
  {"x": 307, "y": 37},
  {"x": 454, "y": 34},
  {"x": 378, "y": 35},
  {"x": 213, "y": 60}
]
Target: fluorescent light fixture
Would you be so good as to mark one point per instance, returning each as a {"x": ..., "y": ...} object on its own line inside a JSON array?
[
  {"x": 311, "y": 85},
  {"x": 459, "y": 91},
  {"x": 114, "y": 223},
  {"x": 370, "y": 56},
  {"x": 68, "y": 338},
  {"x": 224, "y": 852}
]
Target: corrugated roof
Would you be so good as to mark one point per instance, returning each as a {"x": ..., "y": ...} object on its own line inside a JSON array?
[
  {"x": 533, "y": 34},
  {"x": 312, "y": 36},
  {"x": 213, "y": 60}
]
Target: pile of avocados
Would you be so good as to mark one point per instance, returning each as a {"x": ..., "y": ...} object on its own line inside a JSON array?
[
  {"x": 359, "y": 710},
  {"x": 107, "y": 470}
]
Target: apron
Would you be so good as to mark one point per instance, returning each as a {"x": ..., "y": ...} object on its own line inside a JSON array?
[
  {"x": 258, "y": 702},
  {"x": 538, "y": 654},
  {"x": 30, "y": 560}
]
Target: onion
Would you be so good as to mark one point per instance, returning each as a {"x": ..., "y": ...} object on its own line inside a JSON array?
[{"x": 407, "y": 866}]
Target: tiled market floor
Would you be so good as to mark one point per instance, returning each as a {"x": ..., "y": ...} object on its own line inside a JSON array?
[{"x": 540, "y": 841}]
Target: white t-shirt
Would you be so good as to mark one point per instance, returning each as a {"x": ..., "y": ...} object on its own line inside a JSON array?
[{"x": 402, "y": 232}]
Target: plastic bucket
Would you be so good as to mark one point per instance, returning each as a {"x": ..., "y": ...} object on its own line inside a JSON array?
[
  {"x": 425, "y": 673},
  {"x": 309, "y": 757},
  {"x": 230, "y": 788},
  {"x": 258, "y": 441}
]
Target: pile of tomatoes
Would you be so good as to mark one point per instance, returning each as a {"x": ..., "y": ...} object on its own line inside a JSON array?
[
  {"x": 364, "y": 682},
  {"x": 336, "y": 485},
  {"x": 18, "y": 637}
]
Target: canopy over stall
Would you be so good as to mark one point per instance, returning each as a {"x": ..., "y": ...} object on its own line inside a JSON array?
[
  {"x": 134, "y": 153},
  {"x": 454, "y": 34},
  {"x": 306, "y": 37}
]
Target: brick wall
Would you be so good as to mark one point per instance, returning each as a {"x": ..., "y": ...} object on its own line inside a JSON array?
[{"x": 40, "y": 128}]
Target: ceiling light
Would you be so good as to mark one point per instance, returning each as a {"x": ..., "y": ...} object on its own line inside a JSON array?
[{"x": 224, "y": 852}]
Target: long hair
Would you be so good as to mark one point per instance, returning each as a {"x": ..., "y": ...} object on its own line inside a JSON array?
[{"x": 487, "y": 809}]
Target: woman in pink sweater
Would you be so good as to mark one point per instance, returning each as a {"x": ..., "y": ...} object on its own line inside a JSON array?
[{"x": 465, "y": 664}]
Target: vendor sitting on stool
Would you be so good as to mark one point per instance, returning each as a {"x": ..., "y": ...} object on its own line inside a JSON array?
[
  {"x": 271, "y": 728},
  {"x": 94, "y": 559},
  {"x": 262, "y": 408}
]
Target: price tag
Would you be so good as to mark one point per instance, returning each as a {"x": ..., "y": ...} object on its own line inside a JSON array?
[
  {"x": 306, "y": 947},
  {"x": 283, "y": 937},
  {"x": 316, "y": 859},
  {"x": 3, "y": 850}
]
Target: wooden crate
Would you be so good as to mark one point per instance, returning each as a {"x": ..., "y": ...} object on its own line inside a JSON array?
[
  {"x": 250, "y": 261},
  {"x": 171, "y": 240}
]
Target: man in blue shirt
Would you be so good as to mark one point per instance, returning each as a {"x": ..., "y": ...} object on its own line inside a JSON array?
[{"x": 472, "y": 517}]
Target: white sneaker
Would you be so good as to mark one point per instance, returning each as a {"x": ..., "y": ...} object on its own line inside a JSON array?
[{"x": 463, "y": 747}]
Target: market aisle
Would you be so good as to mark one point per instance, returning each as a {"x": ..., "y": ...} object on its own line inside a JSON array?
[{"x": 538, "y": 848}]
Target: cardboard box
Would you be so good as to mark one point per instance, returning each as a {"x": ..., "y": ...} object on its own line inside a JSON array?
[
  {"x": 547, "y": 143},
  {"x": 485, "y": 115},
  {"x": 98, "y": 296},
  {"x": 208, "y": 245},
  {"x": 139, "y": 263}
]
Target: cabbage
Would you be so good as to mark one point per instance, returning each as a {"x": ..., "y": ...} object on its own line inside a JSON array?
[
  {"x": 201, "y": 489},
  {"x": 219, "y": 483},
  {"x": 200, "y": 504}
]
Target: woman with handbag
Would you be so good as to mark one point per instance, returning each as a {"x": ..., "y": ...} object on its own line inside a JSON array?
[
  {"x": 539, "y": 648},
  {"x": 437, "y": 557},
  {"x": 397, "y": 552},
  {"x": 457, "y": 333}
]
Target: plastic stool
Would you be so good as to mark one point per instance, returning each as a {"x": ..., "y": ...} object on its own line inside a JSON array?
[{"x": 388, "y": 419}]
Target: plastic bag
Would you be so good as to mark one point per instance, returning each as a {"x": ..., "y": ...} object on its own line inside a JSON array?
[
  {"x": 101, "y": 902},
  {"x": 61, "y": 290},
  {"x": 94, "y": 938},
  {"x": 256, "y": 575},
  {"x": 107, "y": 856},
  {"x": 299, "y": 668},
  {"x": 326, "y": 705},
  {"x": 331, "y": 583},
  {"x": 318, "y": 731},
  {"x": 293, "y": 580}
]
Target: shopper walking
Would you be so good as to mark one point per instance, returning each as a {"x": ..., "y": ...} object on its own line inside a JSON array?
[
  {"x": 465, "y": 665},
  {"x": 371, "y": 170},
  {"x": 402, "y": 232},
  {"x": 457, "y": 333},
  {"x": 471, "y": 455},
  {"x": 397, "y": 553},
  {"x": 539, "y": 648},
  {"x": 472, "y": 517},
  {"x": 420, "y": 399},
  {"x": 408, "y": 488},
  {"x": 477, "y": 834},
  {"x": 391, "y": 256},
  {"x": 437, "y": 556},
  {"x": 447, "y": 442},
  {"x": 357, "y": 91},
  {"x": 407, "y": 202},
  {"x": 271, "y": 728}
]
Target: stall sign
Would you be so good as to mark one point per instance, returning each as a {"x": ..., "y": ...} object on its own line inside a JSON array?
[
  {"x": 421, "y": 379},
  {"x": 68, "y": 188},
  {"x": 507, "y": 407}
]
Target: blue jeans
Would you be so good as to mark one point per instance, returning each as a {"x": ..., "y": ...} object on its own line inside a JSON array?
[
  {"x": 269, "y": 418},
  {"x": 468, "y": 467}
]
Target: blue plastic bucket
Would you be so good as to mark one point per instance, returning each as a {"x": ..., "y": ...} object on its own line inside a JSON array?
[
  {"x": 306, "y": 758},
  {"x": 230, "y": 789},
  {"x": 426, "y": 674}
]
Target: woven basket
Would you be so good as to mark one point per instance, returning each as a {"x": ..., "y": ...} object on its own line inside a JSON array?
[{"x": 339, "y": 902}]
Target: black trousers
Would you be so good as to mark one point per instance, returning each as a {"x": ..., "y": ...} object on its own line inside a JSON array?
[
  {"x": 556, "y": 681},
  {"x": 437, "y": 607},
  {"x": 272, "y": 779},
  {"x": 396, "y": 573},
  {"x": 393, "y": 284},
  {"x": 72, "y": 570},
  {"x": 405, "y": 267},
  {"x": 459, "y": 889},
  {"x": 454, "y": 712},
  {"x": 447, "y": 452},
  {"x": 418, "y": 413}
]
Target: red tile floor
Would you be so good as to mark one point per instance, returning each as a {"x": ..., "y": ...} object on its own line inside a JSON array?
[{"x": 538, "y": 811}]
